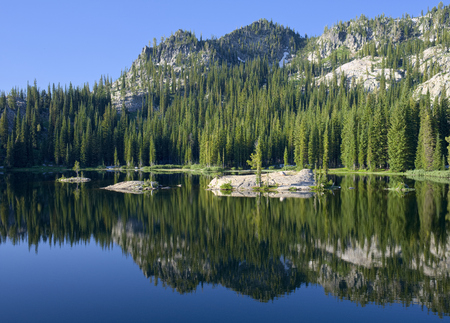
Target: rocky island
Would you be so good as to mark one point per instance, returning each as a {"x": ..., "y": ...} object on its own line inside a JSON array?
[
  {"x": 281, "y": 184},
  {"x": 74, "y": 180},
  {"x": 134, "y": 187}
]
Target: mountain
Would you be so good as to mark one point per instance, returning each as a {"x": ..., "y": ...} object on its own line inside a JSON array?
[
  {"x": 182, "y": 50},
  {"x": 352, "y": 49}
]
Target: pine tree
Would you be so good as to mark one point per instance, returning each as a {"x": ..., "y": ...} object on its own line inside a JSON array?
[
  {"x": 256, "y": 161},
  {"x": 447, "y": 139},
  {"x": 116, "y": 158},
  {"x": 426, "y": 144},
  {"x": 3, "y": 130},
  {"x": 285, "y": 157},
  {"x": 397, "y": 141},
  {"x": 76, "y": 167},
  {"x": 301, "y": 146},
  {"x": 325, "y": 158},
  {"x": 377, "y": 145},
  {"x": 9, "y": 161},
  {"x": 437, "y": 155},
  {"x": 348, "y": 145}
]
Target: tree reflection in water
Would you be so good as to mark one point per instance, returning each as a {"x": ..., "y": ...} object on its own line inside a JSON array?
[{"x": 364, "y": 245}]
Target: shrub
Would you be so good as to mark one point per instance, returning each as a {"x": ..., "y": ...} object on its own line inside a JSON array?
[{"x": 226, "y": 186}]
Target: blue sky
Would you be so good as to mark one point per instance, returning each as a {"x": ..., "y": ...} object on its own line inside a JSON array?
[{"x": 78, "y": 41}]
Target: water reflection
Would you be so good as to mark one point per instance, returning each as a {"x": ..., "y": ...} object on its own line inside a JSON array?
[{"x": 364, "y": 244}]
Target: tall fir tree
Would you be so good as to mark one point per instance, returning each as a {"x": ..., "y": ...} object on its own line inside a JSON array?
[{"x": 397, "y": 140}]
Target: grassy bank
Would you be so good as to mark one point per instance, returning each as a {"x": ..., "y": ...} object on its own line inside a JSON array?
[{"x": 344, "y": 171}]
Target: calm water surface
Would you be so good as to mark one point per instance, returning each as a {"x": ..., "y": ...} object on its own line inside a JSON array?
[{"x": 81, "y": 254}]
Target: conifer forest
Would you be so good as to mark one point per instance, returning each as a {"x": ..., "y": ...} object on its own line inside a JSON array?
[{"x": 201, "y": 102}]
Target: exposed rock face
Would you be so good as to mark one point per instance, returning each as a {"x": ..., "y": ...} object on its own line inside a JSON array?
[
  {"x": 282, "y": 180},
  {"x": 366, "y": 71},
  {"x": 435, "y": 86},
  {"x": 354, "y": 34}
]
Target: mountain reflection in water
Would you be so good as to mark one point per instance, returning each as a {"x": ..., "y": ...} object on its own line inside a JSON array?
[{"x": 365, "y": 245}]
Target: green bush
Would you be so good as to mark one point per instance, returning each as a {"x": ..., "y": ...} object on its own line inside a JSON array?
[{"x": 226, "y": 187}]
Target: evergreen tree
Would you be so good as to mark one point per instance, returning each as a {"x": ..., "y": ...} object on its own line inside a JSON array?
[
  {"x": 76, "y": 167},
  {"x": 325, "y": 158},
  {"x": 3, "y": 130},
  {"x": 426, "y": 144},
  {"x": 397, "y": 140},
  {"x": 348, "y": 145},
  {"x": 285, "y": 157},
  {"x": 9, "y": 161},
  {"x": 301, "y": 146},
  {"x": 116, "y": 158},
  {"x": 437, "y": 156},
  {"x": 256, "y": 161}
]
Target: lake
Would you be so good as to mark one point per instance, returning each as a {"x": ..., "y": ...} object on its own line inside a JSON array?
[{"x": 76, "y": 253}]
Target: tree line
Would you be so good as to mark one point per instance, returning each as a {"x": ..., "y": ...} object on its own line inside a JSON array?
[{"x": 214, "y": 113}]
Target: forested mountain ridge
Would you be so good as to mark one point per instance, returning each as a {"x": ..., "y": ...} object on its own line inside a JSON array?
[
  {"x": 189, "y": 100},
  {"x": 170, "y": 60}
]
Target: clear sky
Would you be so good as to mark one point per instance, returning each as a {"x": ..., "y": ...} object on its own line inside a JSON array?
[{"x": 78, "y": 41}]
